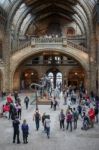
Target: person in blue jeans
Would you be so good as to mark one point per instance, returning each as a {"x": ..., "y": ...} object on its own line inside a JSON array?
[
  {"x": 47, "y": 124},
  {"x": 25, "y": 131},
  {"x": 37, "y": 118}
]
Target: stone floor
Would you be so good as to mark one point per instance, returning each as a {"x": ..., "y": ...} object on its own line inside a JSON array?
[{"x": 59, "y": 140}]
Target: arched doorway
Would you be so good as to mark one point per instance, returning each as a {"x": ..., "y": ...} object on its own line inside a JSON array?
[
  {"x": 18, "y": 60},
  {"x": 55, "y": 76},
  {"x": 28, "y": 76},
  {"x": 76, "y": 77}
]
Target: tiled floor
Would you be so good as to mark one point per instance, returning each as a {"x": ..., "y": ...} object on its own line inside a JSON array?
[{"x": 59, "y": 140}]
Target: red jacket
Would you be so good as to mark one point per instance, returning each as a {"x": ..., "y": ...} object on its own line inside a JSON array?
[
  {"x": 69, "y": 117},
  {"x": 9, "y": 99},
  {"x": 91, "y": 114},
  {"x": 6, "y": 108}
]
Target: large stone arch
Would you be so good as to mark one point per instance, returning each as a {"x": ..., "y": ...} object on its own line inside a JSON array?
[{"x": 20, "y": 56}]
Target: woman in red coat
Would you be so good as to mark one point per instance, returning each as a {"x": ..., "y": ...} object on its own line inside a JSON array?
[
  {"x": 91, "y": 114},
  {"x": 9, "y": 99}
]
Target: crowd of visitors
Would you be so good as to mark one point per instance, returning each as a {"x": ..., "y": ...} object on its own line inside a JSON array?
[{"x": 78, "y": 106}]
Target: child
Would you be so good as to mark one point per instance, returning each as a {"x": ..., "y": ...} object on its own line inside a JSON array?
[{"x": 25, "y": 131}]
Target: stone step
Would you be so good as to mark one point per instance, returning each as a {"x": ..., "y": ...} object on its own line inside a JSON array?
[{"x": 43, "y": 101}]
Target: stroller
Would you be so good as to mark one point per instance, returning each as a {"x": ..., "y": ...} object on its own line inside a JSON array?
[{"x": 86, "y": 123}]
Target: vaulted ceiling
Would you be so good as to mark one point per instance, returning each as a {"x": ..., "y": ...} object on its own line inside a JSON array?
[{"x": 22, "y": 13}]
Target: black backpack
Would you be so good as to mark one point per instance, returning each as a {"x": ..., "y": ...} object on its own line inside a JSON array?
[{"x": 37, "y": 116}]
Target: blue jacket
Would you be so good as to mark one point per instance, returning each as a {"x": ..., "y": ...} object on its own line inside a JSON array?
[{"x": 25, "y": 129}]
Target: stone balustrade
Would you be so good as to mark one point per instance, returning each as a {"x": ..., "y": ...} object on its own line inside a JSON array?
[
  {"x": 48, "y": 42},
  {"x": 55, "y": 42}
]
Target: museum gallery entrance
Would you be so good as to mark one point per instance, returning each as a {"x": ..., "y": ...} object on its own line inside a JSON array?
[
  {"x": 76, "y": 77},
  {"x": 55, "y": 76},
  {"x": 28, "y": 76}
]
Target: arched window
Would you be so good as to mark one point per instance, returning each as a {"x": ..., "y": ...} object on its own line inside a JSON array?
[
  {"x": 51, "y": 77},
  {"x": 58, "y": 79}
]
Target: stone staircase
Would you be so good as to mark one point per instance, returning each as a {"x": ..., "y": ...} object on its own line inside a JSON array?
[{"x": 43, "y": 101}]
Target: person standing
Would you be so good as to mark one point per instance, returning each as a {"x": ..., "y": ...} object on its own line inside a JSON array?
[
  {"x": 15, "y": 95},
  {"x": 16, "y": 132},
  {"x": 65, "y": 97},
  {"x": 55, "y": 103},
  {"x": 26, "y": 101},
  {"x": 25, "y": 131},
  {"x": 51, "y": 100},
  {"x": 61, "y": 119},
  {"x": 37, "y": 118},
  {"x": 91, "y": 114},
  {"x": 19, "y": 111},
  {"x": 11, "y": 105},
  {"x": 75, "y": 118},
  {"x": 47, "y": 124},
  {"x": 96, "y": 113},
  {"x": 69, "y": 120},
  {"x": 43, "y": 119}
]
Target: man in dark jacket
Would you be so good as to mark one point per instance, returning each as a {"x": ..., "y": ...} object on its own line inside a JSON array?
[
  {"x": 26, "y": 101},
  {"x": 25, "y": 131},
  {"x": 61, "y": 119},
  {"x": 16, "y": 124}
]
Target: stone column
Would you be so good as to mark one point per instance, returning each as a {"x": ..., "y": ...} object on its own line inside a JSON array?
[
  {"x": 92, "y": 63},
  {"x": 6, "y": 58},
  {"x": 97, "y": 59},
  {"x": 40, "y": 59},
  {"x": 97, "y": 62},
  {"x": 90, "y": 83}
]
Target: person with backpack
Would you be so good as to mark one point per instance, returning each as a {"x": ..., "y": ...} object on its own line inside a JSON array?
[
  {"x": 37, "y": 118},
  {"x": 61, "y": 119},
  {"x": 25, "y": 131},
  {"x": 47, "y": 122},
  {"x": 75, "y": 118}
]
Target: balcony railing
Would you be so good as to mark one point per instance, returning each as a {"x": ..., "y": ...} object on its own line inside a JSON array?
[
  {"x": 56, "y": 42},
  {"x": 44, "y": 42}
]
